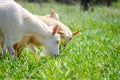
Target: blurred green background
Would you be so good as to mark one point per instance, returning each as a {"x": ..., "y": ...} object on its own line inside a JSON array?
[{"x": 94, "y": 54}]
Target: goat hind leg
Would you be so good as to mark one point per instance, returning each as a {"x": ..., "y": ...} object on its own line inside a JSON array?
[{"x": 4, "y": 47}]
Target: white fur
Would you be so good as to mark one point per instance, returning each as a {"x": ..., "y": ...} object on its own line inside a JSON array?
[{"x": 16, "y": 22}]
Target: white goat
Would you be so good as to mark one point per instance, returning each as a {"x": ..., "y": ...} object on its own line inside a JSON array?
[
  {"x": 16, "y": 22},
  {"x": 63, "y": 31}
]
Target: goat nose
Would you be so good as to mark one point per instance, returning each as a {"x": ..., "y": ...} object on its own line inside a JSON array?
[{"x": 56, "y": 55}]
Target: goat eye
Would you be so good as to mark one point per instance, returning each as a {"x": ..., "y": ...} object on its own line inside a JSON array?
[{"x": 57, "y": 42}]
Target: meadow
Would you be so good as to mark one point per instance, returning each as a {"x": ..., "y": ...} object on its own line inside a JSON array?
[{"x": 94, "y": 54}]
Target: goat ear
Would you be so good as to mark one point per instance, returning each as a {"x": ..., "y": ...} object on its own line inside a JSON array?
[
  {"x": 55, "y": 29},
  {"x": 60, "y": 32},
  {"x": 76, "y": 32},
  {"x": 52, "y": 13}
]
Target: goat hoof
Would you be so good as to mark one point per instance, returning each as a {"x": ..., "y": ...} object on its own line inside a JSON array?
[{"x": 14, "y": 56}]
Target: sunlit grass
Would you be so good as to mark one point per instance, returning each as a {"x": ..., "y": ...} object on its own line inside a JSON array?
[{"x": 93, "y": 54}]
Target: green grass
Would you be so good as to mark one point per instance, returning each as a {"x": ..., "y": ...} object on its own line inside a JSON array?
[{"x": 94, "y": 54}]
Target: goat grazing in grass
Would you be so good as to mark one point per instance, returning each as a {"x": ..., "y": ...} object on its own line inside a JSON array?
[
  {"x": 16, "y": 22},
  {"x": 63, "y": 31}
]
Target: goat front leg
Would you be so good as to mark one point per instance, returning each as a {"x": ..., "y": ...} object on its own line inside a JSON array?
[
  {"x": 11, "y": 50},
  {"x": 10, "y": 46}
]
